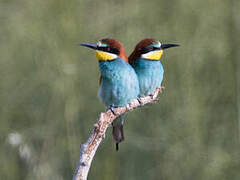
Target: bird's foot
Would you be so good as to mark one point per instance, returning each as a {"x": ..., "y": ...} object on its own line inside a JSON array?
[
  {"x": 152, "y": 96},
  {"x": 140, "y": 101},
  {"x": 111, "y": 108}
]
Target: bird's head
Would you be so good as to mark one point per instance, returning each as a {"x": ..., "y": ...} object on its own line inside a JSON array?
[
  {"x": 149, "y": 49},
  {"x": 107, "y": 49}
]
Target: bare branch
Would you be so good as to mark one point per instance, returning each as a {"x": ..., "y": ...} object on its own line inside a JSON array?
[{"x": 89, "y": 148}]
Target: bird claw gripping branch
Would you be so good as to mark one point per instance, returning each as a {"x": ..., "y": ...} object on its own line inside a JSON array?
[
  {"x": 140, "y": 101},
  {"x": 111, "y": 108}
]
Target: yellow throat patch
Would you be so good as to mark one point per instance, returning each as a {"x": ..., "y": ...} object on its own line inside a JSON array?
[
  {"x": 105, "y": 56},
  {"x": 153, "y": 55}
]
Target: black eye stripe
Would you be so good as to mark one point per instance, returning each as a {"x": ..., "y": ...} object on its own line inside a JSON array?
[
  {"x": 109, "y": 49},
  {"x": 148, "y": 49}
]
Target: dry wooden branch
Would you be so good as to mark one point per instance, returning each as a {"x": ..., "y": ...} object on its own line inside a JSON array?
[{"x": 89, "y": 148}]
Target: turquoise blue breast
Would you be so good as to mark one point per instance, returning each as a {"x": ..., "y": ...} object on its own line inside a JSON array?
[
  {"x": 119, "y": 83},
  {"x": 150, "y": 75}
]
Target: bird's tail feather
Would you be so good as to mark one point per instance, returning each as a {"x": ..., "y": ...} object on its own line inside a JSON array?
[{"x": 117, "y": 132}]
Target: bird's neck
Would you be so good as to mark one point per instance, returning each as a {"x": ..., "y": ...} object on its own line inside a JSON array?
[
  {"x": 133, "y": 57},
  {"x": 147, "y": 65},
  {"x": 110, "y": 67},
  {"x": 123, "y": 55}
]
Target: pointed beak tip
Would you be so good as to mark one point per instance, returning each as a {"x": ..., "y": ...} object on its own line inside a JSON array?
[
  {"x": 79, "y": 44},
  {"x": 166, "y": 46},
  {"x": 92, "y": 46}
]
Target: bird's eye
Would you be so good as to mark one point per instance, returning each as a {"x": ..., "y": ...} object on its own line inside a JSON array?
[
  {"x": 109, "y": 49},
  {"x": 146, "y": 49}
]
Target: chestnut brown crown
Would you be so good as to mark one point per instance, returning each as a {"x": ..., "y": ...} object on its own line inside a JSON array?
[
  {"x": 115, "y": 44},
  {"x": 137, "y": 51}
]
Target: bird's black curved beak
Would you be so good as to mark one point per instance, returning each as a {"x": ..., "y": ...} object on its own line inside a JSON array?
[
  {"x": 165, "y": 46},
  {"x": 92, "y": 46}
]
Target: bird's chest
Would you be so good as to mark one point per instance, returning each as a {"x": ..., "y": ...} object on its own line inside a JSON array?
[
  {"x": 112, "y": 79},
  {"x": 114, "y": 84},
  {"x": 111, "y": 72},
  {"x": 150, "y": 76},
  {"x": 149, "y": 70}
]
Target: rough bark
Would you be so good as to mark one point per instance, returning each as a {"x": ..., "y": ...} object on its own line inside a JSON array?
[{"x": 105, "y": 119}]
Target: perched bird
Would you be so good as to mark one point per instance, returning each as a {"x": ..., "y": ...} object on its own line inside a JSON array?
[
  {"x": 118, "y": 80},
  {"x": 145, "y": 59}
]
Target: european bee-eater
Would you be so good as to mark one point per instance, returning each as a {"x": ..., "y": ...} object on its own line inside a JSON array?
[
  {"x": 145, "y": 59},
  {"x": 118, "y": 80}
]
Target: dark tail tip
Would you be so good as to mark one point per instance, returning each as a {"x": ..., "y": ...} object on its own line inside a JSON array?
[{"x": 117, "y": 147}]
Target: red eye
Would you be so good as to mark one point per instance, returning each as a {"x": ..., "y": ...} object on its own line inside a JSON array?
[{"x": 151, "y": 48}]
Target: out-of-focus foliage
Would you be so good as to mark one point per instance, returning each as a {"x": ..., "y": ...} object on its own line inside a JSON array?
[{"x": 48, "y": 89}]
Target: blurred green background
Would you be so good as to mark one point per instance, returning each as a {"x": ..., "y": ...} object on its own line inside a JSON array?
[{"x": 48, "y": 89}]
